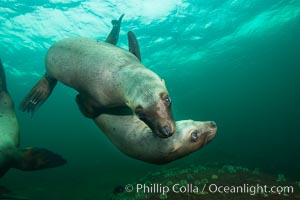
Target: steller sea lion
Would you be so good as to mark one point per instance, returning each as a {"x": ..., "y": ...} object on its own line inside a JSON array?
[
  {"x": 26, "y": 159},
  {"x": 105, "y": 76},
  {"x": 135, "y": 139}
]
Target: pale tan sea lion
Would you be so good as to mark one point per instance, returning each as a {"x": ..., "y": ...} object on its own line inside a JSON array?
[
  {"x": 135, "y": 139},
  {"x": 11, "y": 156},
  {"x": 105, "y": 76}
]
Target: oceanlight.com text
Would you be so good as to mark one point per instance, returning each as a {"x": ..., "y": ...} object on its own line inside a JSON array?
[
  {"x": 156, "y": 188},
  {"x": 250, "y": 189}
]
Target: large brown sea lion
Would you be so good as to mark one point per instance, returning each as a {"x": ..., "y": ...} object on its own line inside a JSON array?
[
  {"x": 11, "y": 156},
  {"x": 135, "y": 139},
  {"x": 105, "y": 76}
]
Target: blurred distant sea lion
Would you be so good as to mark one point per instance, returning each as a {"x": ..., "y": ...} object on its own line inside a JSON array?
[{"x": 11, "y": 156}]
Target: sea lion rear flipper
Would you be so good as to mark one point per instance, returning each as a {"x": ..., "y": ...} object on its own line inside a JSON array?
[
  {"x": 134, "y": 45},
  {"x": 113, "y": 36},
  {"x": 38, "y": 94},
  {"x": 87, "y": 110},
  {"x": 33, "y": 158}
]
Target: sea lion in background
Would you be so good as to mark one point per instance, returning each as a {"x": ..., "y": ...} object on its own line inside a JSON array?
[
  {"x": 105, "y": 76},
  {"x": 26, "y": 159},
  {"x": 135, "y": 139}
]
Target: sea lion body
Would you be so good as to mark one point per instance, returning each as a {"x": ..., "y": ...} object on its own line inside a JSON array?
[
  {"x": 11, "y": 156},
  {"x": 135, "y": 139},
  {"x": 105, "y": 76},
  {"x": 9, "y": 128},
  {"x": 100, "y": 71}
]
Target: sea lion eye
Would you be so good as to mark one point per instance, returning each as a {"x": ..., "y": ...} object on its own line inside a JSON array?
[
  {"x": 168, "y": 100},
  {"x": 194, "y": 136}
]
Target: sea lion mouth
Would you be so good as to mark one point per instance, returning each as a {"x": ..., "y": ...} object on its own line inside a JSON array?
[
  {"x": 167, "y": 130},
  {"x": 211, "y": 133},
  {"x": 158, "y": 118},
  {"x": 209, "y": 137}
]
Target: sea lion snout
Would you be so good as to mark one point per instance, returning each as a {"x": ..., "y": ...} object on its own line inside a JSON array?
[
  {"x": 167, "y": 130},
  {"x": 158, "y": 116},
  {"x": 163, "y": 128},
  {"x": 166, "y": 124},
  {"x": 213, "y": 124},
  {"x": 211, "y": 133}
]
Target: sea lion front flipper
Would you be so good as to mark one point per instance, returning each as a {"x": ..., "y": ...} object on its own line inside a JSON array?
[
  {"x": 134, "y": 45},
  {"x": 33, "y": 158},
  {"x": 87, "y": 110},
  {"x": 38, "y": 94},
  {"x": 113, "y": 36},
  {"x": 93, "y": 112}
]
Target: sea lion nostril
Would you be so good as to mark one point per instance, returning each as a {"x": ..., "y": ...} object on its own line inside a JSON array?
[
  {"x": 213, "y": 124},
  {"x": 166, "y": 131}
]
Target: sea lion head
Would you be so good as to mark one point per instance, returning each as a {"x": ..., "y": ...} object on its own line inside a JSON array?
[
  {"x": 191, "y": 136},
  {"x": 157, "y": 114}
]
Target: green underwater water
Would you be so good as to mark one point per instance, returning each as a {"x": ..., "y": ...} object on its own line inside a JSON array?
[{"x": 235, "y": 62}]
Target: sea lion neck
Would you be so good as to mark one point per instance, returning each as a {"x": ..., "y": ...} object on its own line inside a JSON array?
[{"x": 140, "y": 84}]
